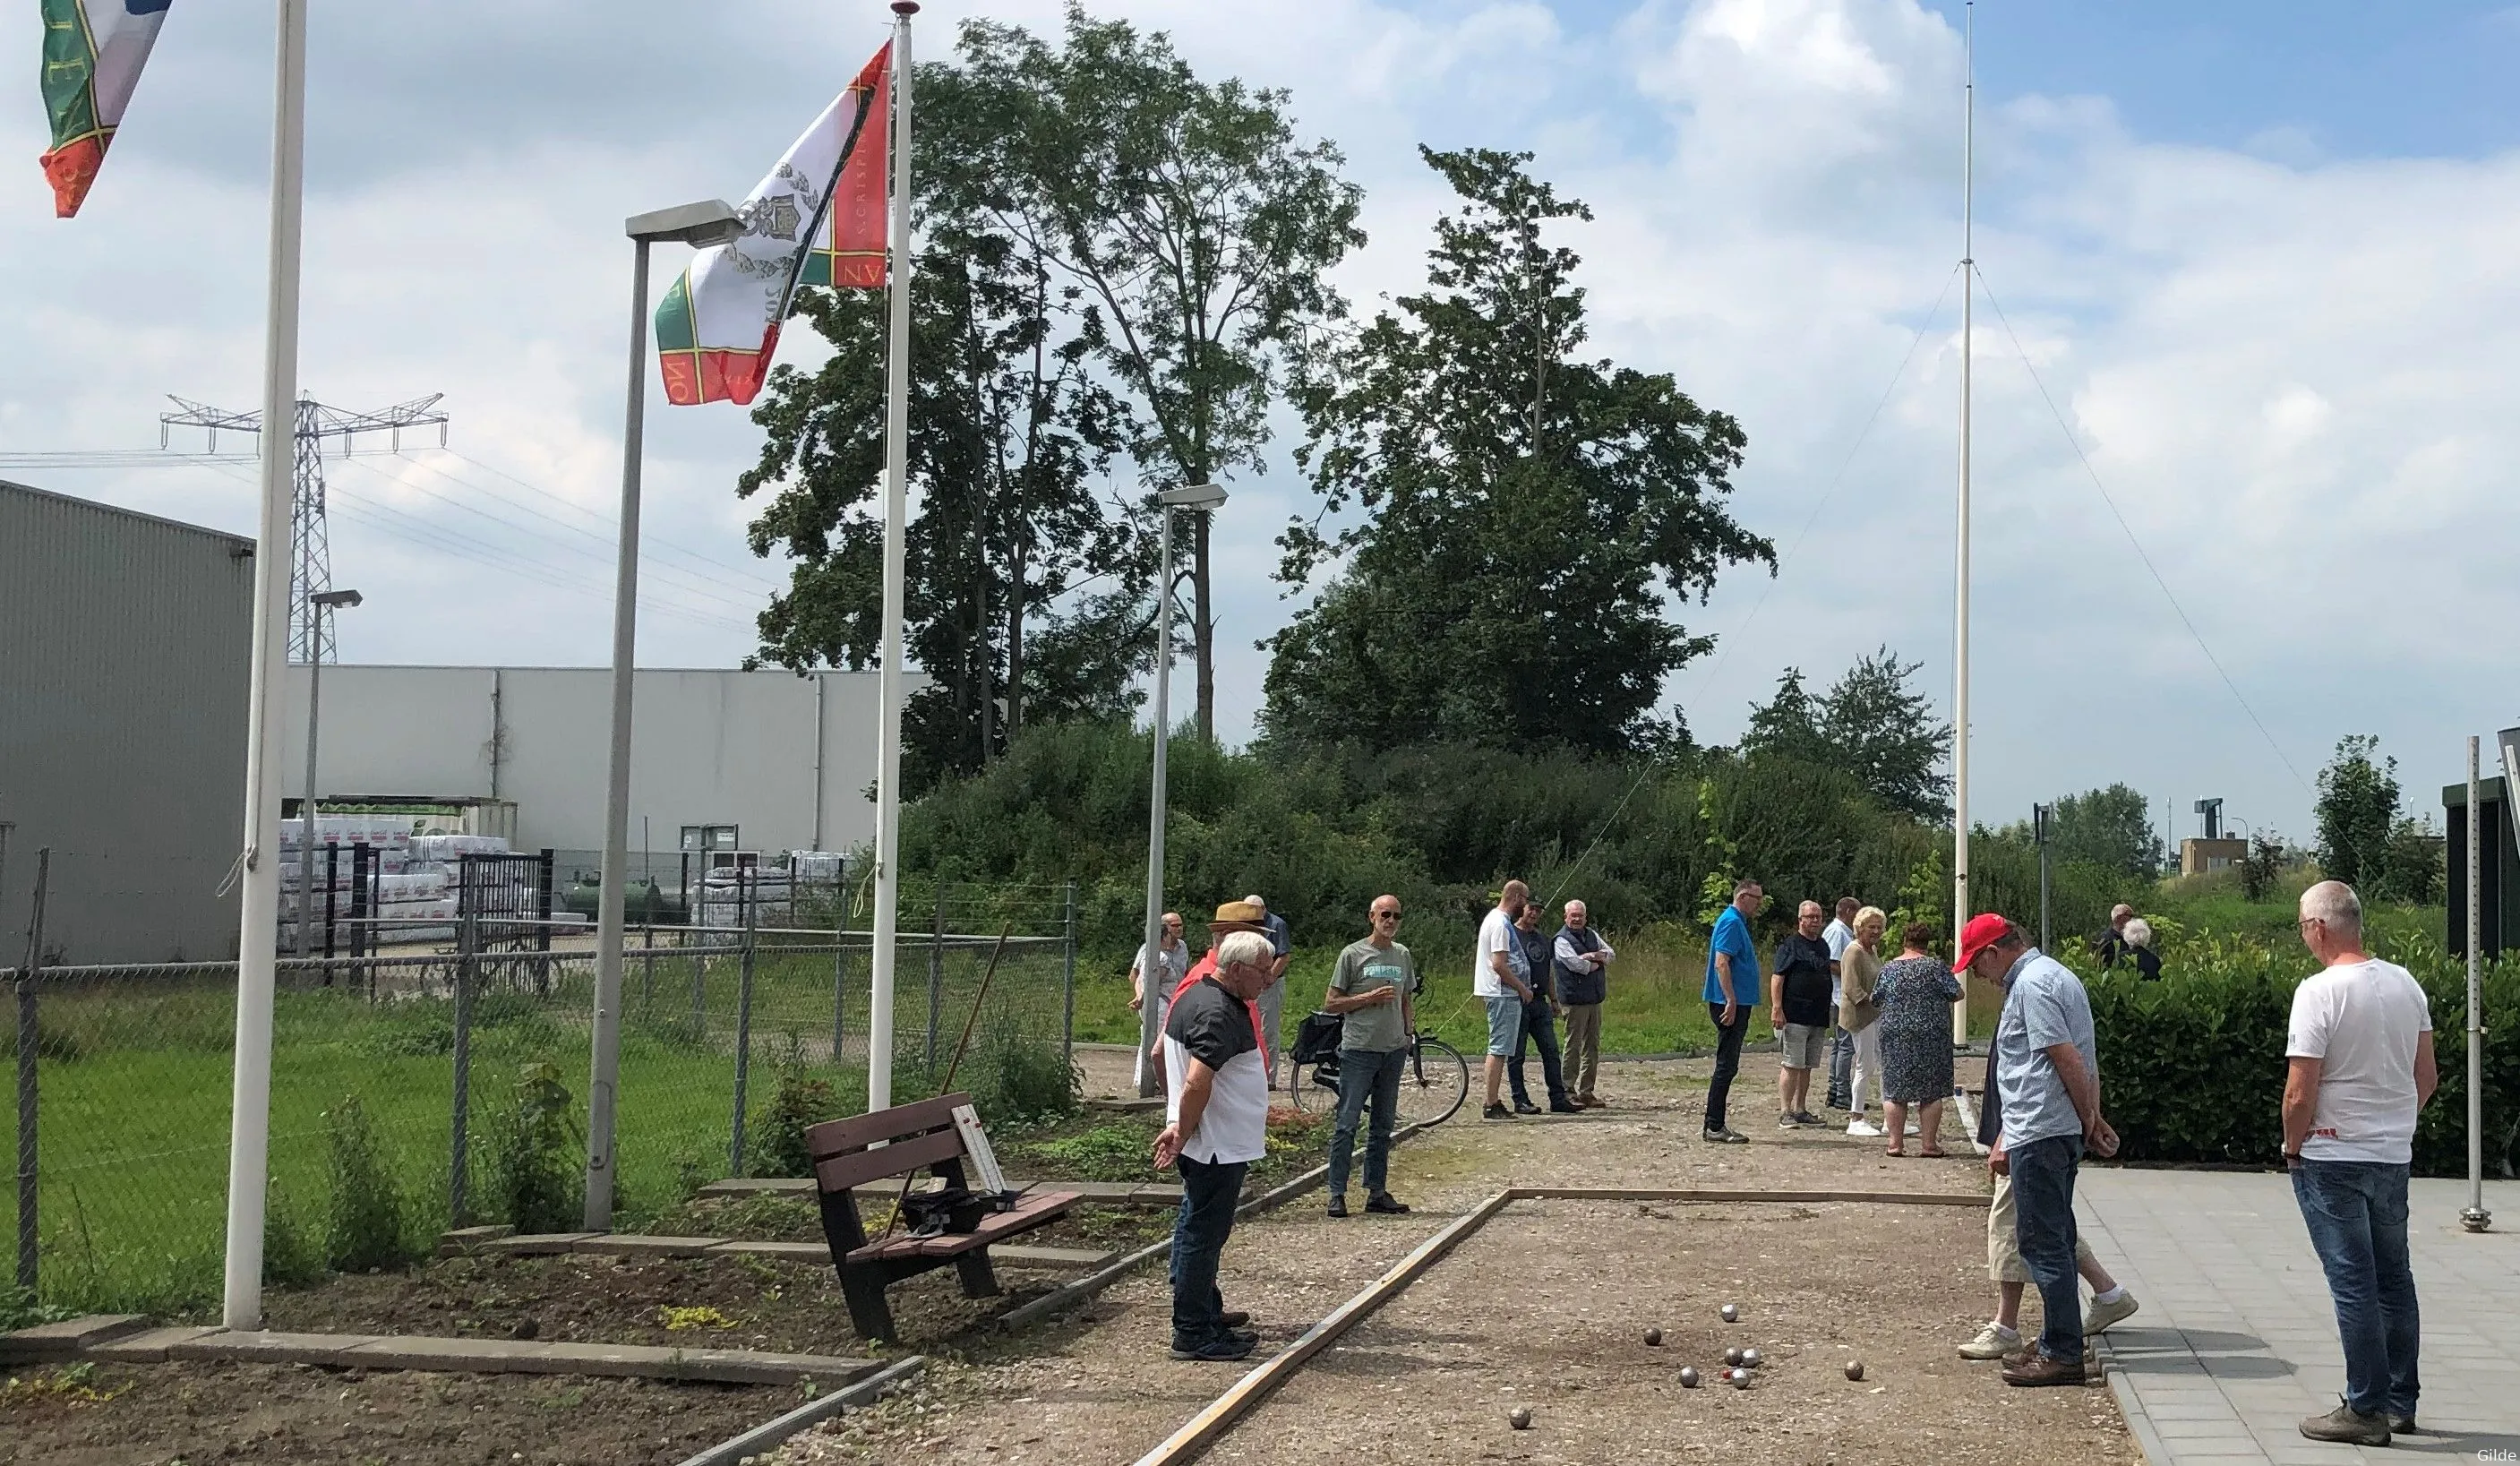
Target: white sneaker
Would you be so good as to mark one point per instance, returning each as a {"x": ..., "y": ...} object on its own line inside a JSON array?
[
  {"x": 2099, "y": 1317},
  {"x": 1858, "y": 1125},
  {"x": 1993, "y": 1341}
]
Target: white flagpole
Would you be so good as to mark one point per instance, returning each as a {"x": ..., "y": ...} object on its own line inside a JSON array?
[
  {"x": 1961, "y": 905},
  {"x": 897, "y": 478},
  {"x": 258, "y": 935}
]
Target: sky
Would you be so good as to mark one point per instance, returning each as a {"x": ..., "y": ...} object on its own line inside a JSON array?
[{"x": 2249, "y": 308}]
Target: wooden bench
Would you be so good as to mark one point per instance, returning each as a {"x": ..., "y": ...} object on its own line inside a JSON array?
[{"x": 892, "y": 1145}]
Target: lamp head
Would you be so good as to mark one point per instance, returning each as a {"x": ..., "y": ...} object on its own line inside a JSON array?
[
  {"x": 710, "y": 221},
  {"x": 1196, "y": 496},
  {"x": 335, "y": 599}
]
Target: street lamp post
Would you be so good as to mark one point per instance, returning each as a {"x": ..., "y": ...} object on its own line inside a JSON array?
[
  {"x": 700, "y": 225},
  {"x": 1203, "y": 498},
  {"x": 320, "y": 605}
]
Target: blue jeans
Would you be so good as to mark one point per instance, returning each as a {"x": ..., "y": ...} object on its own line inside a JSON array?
[
  {"x": 1728, "y": 1060},
  {"x": 2357, "y": 1215},
  {"x": 1366, "y": 1075},
  {"x": 1539, "y": 1030},
  {"x": 1210, "y": 1190},
  {"x": 1841, "y": 1066},
  {"x": 2043, "y": 1199},
  {"x": 1505, "y": 1025}
]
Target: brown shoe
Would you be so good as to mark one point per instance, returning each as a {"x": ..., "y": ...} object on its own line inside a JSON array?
[
  {"x": 1589, "y": 1102},
  {"x": 2040, "y": 1370}
]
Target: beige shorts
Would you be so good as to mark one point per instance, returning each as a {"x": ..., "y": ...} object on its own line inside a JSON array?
[{"x": 2003, "y": 1239}]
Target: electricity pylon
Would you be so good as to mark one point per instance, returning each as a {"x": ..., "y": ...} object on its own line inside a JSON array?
[{"x": 310, "y": 559}]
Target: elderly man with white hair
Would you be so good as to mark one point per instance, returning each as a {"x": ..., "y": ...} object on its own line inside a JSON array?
[
  {"x": 2360, "y": 1052},
  {"x": 1581, "y": 964},
  {"x": 2109, "y": 944},
  {"x": 1216, "y": 1123}
]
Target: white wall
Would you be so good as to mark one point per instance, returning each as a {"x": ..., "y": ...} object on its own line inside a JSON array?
[{"x": 707, "y": 747}]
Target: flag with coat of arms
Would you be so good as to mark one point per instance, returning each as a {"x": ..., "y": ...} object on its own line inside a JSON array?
[
  {"x": 817, "y": 220},
  {"x": 93, "y": 53}
]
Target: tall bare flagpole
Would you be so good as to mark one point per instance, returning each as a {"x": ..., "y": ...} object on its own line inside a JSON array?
[
  {"x": 897, "y": 478},
  {"x": 1961, "y": 907},
  {"x": 258, "y": 934}
]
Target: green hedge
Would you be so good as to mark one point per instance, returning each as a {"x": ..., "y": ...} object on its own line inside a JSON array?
[{"x": 2193, "y": 1067}]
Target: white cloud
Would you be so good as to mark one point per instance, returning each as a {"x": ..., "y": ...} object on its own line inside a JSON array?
[{"x": 2289, "y": 371}]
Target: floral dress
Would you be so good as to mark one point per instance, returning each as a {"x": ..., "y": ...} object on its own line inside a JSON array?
[{"x": 1915, "y": 995}]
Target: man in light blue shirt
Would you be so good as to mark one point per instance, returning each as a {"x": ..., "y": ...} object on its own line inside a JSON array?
[
  {"x": 2045, "y": 1066},
  {"x": 1732, "y": 991}
]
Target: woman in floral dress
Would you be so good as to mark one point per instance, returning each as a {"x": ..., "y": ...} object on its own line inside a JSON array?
[{"x": 1916, "y": 993}]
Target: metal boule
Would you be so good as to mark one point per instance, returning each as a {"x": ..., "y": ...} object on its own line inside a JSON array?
[
  {"x": 1732, "y": 1356},
  {"x": 1520, "y": 1419},
  {"x": 1732, "y": 1312},
  {"x": 1855, "y": 1369},
  {"x": 1750, "y": 1359},
  {"x": 1689, "y": 1376},
  {"x": 1653, "y": 1337}
]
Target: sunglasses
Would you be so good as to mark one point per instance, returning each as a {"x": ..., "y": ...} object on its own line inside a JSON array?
[{"x": 1386, "y": 915}]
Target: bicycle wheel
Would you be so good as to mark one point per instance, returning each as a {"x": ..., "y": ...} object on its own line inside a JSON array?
[
  {"x": 1433, "y": 1085},
  {"x": 1312, "y": 1086}
]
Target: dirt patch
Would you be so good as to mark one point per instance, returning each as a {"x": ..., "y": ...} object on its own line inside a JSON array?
[
  {"x": 719, "y": 1303},
  {"x": 287, "y": 1415}
]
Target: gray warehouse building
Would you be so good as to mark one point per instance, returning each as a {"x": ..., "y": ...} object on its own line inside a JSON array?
[{"x": 124, "y": 644}]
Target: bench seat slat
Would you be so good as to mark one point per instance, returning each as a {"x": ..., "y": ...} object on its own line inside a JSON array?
[
  {"x": 1037, "y": 1209},
  {"x": 858, "y": 1168},
  {"x": 840, "y": 1137}
]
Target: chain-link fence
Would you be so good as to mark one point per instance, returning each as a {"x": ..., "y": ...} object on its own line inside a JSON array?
[{"x": 423, "y": 1083}]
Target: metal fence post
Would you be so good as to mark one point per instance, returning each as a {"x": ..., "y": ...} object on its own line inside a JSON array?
[
  {"x": 541, "y": 915},
  {"x": 1067, "y": 1017},
  {"x": 935, "y": 976},
  {"x": 467, "y": 917},
  {"x": 745, "y": 892},
  {"x": 26, "y": 1091},
  {"x": 331, "y": 913},
  {"x": 840, "y": 961}
]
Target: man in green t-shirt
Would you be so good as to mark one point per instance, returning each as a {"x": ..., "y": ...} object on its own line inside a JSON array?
[{"x": 1372, "y": 988}]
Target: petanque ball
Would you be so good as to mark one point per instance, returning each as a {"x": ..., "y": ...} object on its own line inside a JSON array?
[
  {"x": 1689, "y": 1376},
  {"x": 1520, "y": 1418},
  {"x": 1740, "y": 1379},
  {"x": 1732, "y": 1356},
  {"x": 1731, "y": 1313},
  {"x": 1855, "y": 1369},
  {"x": 1750, "y": 1359},
  {"x": 1653, "y": 1337}
]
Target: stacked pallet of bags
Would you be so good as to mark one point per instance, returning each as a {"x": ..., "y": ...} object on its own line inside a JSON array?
[{"x": 770, "y": 888}]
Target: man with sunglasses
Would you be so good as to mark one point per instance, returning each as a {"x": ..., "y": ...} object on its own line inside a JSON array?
[{"x": 1372, "y": 988}]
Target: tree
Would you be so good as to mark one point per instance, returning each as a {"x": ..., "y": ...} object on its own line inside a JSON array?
[
  {"x": 2357, "y": 812},
  {"x": 1524, "y": 512},
  {"x": 1008, "y": 431},
  {"x": 2110, "y": 827},
  {"x": 1192, "y": 222},
  {"x": 1870, "y": 724},
  {"x": 2261, "y": 866}
]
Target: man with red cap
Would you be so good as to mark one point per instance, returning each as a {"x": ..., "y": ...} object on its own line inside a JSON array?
[{"x": 2046, "y": 1062}]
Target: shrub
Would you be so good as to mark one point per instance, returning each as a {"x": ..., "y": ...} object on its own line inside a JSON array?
[
  {"x": 1014, "y": 1075},
  {"x": 289, "y": 1257},
  {"x": 364, "y": 1225},
  {"x": 533, "y": 1181},
  {"x": 800, "y": 1101}
]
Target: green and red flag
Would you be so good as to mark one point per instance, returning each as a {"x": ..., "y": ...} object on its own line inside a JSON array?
[
  {"x": 817, "y": 219},
  {"x": 93, "y": 53}
]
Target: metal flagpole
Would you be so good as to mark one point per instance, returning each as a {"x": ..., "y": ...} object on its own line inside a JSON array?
[
  {"x": 1150, "y": 972},
  {"x": 1961, "y": 912},
  {"x": 897, "y": 478},
  {"x": 258, "y": 939},
  {"x": 2476, "y": 1219}
]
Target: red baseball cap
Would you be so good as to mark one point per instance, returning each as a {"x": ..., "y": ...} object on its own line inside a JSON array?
[{"x": 1983, "y": 931}]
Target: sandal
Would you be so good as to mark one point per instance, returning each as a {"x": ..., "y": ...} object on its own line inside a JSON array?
[
  {"x": 1933, "y": 1155},
  {"x": 1894, "y": 1150}
]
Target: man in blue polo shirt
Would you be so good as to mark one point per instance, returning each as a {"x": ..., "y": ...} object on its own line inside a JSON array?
[{"x": 1732, "y": 995}]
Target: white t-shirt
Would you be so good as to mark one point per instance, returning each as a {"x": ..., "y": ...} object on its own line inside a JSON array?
[
  {"x": 1494, "y": 933},
  {"x": 1839, "y": 936},
  {"x": 2363, "y": 1021}
]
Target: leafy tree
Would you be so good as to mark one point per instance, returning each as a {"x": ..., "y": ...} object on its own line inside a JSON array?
[
  {"x": 1008, "y": 431},
  {"x": 2109, "y": 827},
  {"x": 2357, "y": 812},
  {"x": 1870, "y": 724},
  {"x": 1526, "y": 511},
  {"x": 1190, "y": 219},
  {"x": 2417, "y": 872},
  {"x": 2261, "y": 866}
]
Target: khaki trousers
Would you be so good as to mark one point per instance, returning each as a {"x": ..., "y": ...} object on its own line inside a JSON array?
[
  {"x": 2003, "y": 1262},
  {"x": 1583, "y": 1048}
]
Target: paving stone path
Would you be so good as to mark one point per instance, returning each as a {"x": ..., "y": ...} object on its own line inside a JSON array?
[{"x": 2237, "y": 1342}]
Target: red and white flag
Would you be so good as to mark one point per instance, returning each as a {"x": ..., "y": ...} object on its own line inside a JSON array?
[{"x": 93, "y": 53}]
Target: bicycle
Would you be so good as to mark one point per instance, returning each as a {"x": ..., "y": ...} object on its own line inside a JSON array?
[{"x": 1433, "y": 1086}]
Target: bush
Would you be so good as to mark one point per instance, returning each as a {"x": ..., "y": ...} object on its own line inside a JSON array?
[
  {"x": 2193, "y": 1067},
  {"x": 800, "y": 1102},
  {"x": 289, "y": 1257},
  {"x": 364, "y": 1227},
  {"x": 534, "y": 1180},
  {"x": 1015, "y": 1077}
]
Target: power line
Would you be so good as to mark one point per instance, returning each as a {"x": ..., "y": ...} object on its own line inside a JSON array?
[
  {"x": 2128, "y": 530},
  {"x": 609, "y": 523}
]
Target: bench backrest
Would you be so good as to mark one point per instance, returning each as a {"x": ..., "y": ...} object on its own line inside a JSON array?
[{"x": 891, "y": 1142}]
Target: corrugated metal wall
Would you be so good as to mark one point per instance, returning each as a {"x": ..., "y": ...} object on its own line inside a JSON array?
[{"x": 124, "y": 644}]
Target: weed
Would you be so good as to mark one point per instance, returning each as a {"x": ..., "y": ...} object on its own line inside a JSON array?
[
  {"x": 534, "y": 1184},
  {"x": 1016, "y": 1076},
  {"x": 698, "y": 1316},
  {"x": 1111, "y": 1152},
  {"x": 800, "y": 1102},
  {"x": 73, "y": 1385},
  {"x": 364, "y": 1228},
  {"x": 20, "y": 1310},
  {"x": 290, "y": 1257}
]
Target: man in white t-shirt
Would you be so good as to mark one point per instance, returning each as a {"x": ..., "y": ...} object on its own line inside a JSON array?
[
  {"x": 1501, "y": 988},
  {"x": 1839, "y": 934},
  {"x": 1216, "y": 1123},
  {"x": 2360, "y": 1051}
]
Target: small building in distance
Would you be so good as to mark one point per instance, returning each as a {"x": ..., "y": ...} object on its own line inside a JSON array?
[
  {"x": 2198, "y": 857},
  {"x": 125, "y": 642},
  {"x": 765, "y": 762}
]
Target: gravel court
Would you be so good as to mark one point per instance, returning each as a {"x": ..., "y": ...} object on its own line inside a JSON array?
[{"x": 1100, "y": 1390}]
